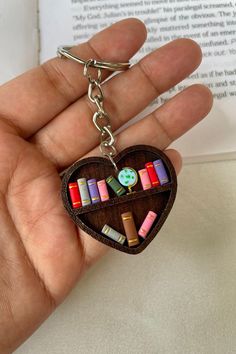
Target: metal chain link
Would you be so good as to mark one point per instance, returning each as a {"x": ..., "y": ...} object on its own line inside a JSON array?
[{"x": 101, "y": 119}]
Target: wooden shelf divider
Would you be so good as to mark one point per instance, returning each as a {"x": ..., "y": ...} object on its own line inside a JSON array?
[{"x": 123, "y": 199}]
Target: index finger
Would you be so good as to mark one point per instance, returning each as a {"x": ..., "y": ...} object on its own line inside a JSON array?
[{"x": 36, "y": 97}]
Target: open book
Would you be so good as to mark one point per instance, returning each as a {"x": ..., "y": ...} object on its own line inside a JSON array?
[{"x": 31, "y": 31}]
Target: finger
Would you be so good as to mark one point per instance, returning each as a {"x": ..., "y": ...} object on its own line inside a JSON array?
[
  {"x": 93, "y": 250},
  {"x": 126, "y": 95},
  {"x": 175, "y": 158},
  {"x": 42, "y": 93}
]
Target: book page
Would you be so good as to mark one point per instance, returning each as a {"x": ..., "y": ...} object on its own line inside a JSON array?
[
  {"x": 211, "y": 23},
  {"x": 18, "y": 37}
]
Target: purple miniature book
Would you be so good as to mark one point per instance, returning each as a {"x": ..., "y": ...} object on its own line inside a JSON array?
[
  {"x": 161, "y": 172},
  {"x": 93, "y": 191}
]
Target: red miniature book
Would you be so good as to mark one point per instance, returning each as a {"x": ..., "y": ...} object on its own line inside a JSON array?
[
  {"x": 75, "y": 195},
  {"x": 152, "y": 174}
]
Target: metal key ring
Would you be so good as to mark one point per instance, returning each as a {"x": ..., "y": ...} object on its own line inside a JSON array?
[{"x": 65, "y": 52}]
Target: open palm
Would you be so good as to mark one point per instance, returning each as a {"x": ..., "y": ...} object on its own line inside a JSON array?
[{"x": 45, "y": 125}]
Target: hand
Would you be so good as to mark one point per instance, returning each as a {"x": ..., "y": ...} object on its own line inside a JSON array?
[{"x": 45, "y": 125}]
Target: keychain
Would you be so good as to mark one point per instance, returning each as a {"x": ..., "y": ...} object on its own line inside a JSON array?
[{"x": 121, "y": 199}]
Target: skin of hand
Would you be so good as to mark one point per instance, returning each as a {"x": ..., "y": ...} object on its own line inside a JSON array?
[{"x": 45, "y": 125}]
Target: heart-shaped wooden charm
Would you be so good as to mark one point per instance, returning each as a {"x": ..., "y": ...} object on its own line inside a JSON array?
[{"x": 92, "y": 218}]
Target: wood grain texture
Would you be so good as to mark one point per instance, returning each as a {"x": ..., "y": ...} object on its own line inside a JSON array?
[{"x": 92, "y": 218}]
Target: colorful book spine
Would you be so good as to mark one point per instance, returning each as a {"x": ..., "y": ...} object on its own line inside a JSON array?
[
  {"x": 74, "y": 195},
  {"x": 116, "y": 186},
  {"x": 84, "y": 192},
  {"x": 103, "y": 192},
  {"x": 161, "y": 172},
  {"x": 113, "y": 234},
  {"x": 147, "y": 224},
  {"x": 152, "y": 174},
  {"x": 93, "y": 191},
  {"x": 130, "y": 229},
  {"x": 145, "y": 180}
]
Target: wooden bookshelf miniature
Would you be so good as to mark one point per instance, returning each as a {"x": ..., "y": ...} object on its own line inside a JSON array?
[{"x": 93, "y": 217}]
